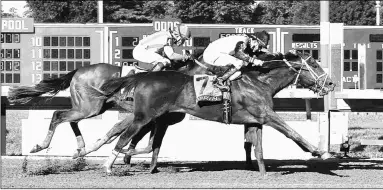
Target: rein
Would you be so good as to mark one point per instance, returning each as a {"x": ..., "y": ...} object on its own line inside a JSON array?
[{"x": 311, "y": 71}]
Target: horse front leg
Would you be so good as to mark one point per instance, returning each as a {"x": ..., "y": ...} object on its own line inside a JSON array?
[{"x": 274, "y": 121}]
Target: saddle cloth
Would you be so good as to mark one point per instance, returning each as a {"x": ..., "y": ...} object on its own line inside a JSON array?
[{"x": 205, "y": 90}]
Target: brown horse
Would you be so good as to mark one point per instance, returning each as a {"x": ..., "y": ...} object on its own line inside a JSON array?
[{"x": 162, "y": 92}]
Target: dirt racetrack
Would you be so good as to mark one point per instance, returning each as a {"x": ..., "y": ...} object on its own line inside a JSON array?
[{"x": 350, "y": 173}]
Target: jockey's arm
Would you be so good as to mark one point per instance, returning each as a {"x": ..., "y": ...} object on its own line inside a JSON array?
[
  {"x": 169, "y": 52},
  {"x": 240, "y": 54}
]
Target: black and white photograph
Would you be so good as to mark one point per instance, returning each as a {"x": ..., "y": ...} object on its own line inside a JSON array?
[{"x": 191, "y": 94}]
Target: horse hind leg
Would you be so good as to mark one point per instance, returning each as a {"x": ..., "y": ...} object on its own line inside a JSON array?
[
  {"x": 157, "y": 142},
  {"x": 77, "y": 133},
  {"x": 138, "y": 122},
  {"x": 116, "y": 130},
  {"x": 254, "y": 134},
  {"x": 58, "y": 118},
  {"x": 247, "y": 146},
  {"x": 137, "y": 138}
]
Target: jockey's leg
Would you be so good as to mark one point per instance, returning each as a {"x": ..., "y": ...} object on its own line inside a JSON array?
[
  {"x": 150, "y": 57},
  {"x": 236, "y": 75},
  {"x": 158, "y": 67},
  {"x": 233, "y": 71}
]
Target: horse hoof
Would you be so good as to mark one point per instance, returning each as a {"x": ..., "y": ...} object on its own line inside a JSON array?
[
  {"x": 75, "y": 155},
  {"x": 36, "y": 148},
  {"x": 127, "y": 160},
  {"x": 250, "y": 167},
  {"x": 326, "y": 156},
  {"x": 108, "y": 170},
  {"x": 153, "y": 170},
  {"x": 79, "y": 153}
]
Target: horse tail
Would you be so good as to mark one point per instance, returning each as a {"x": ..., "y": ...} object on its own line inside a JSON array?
[{"x": 24, "y": 94}]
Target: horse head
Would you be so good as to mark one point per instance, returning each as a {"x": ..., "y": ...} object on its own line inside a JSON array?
[{"x": 309, "y": 73}]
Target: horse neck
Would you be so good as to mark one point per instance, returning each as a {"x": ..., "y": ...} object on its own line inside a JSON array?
[{"x": 278, "y": 79}]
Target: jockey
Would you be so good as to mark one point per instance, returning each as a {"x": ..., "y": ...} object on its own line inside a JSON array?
[
  {"x": 230, "y": 51},
  {"x": 157, "y": 48}
]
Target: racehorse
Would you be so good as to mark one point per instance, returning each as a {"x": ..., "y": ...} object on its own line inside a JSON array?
[
  {"x": 169, "y": 91},
  {"x": 84, "y": 106}
]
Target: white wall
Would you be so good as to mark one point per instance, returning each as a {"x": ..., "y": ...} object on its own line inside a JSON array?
[{"x": 193, "y": 140}]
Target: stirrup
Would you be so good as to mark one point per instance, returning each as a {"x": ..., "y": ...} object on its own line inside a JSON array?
[{"x": 219, "y": 84}]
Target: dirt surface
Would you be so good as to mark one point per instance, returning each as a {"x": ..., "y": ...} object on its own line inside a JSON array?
[{"x": 351, "y": 173}]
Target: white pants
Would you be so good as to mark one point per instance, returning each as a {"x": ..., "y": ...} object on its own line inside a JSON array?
[
  {"x": 142, "y": 54},
  {"x": 221, "y": 59}
]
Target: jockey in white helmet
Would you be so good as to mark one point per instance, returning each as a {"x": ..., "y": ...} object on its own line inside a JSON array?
[
  {"x": 230, "y": 51},
  {"x": 157, "y": 48}
]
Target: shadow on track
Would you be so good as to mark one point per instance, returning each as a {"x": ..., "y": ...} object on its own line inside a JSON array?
[{"x": 284, "y": 167}]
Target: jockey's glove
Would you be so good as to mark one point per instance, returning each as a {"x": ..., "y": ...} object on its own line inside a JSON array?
[
  {"x": 188, "y": 57},
  {"x": 293, "y": 51},
  {"x": 257, "y": 62}
]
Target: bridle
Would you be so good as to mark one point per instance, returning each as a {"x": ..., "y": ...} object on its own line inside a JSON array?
[{"x": 311, "y": 71}]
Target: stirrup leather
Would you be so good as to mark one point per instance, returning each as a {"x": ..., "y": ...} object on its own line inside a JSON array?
[{"x": 226, "y": 114}]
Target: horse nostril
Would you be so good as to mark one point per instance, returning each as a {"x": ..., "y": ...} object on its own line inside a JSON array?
[{"x": 331, "y": 84}]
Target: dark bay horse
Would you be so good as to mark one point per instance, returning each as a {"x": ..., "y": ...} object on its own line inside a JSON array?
[
  {"x": 169, "y": 91},
  {"x": 84, "y": 107}
]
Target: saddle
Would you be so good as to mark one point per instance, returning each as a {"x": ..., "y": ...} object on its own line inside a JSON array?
[{"x": 208, "y": 93}]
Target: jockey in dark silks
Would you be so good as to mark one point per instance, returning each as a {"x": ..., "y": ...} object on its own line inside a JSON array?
[
  {"x": 157, "y": 49},
  {"x": 230, "y": 51}
]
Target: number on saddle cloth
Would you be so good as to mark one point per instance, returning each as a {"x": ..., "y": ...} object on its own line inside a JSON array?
[{"x": 205, "y": 90}]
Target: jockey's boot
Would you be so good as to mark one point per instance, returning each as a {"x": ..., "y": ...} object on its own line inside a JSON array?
[
  {"x": 158, "y": 67},
  {"x": 220, "y": 80}
]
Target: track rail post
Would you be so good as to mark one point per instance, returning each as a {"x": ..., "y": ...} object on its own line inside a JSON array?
[
  {"x": 308, "y": 109},
  {"x": 3, "y": 130}
]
